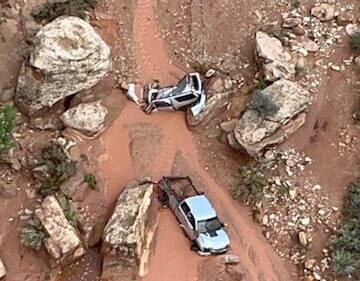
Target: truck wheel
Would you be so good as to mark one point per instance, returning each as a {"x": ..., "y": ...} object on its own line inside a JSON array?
[
  {"x": 194, "y": 246},
  {"x": 163, "y": 198}
]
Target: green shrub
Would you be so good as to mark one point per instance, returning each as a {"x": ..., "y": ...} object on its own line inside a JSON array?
[
  {"x": 251, "y": 186},
  {"x": 263, "y": 104},
  {"x": 32, "y": 238},
  {"x": 69, "y": 212},
  {"x": 59, "y": 168},
  {"x": 355, "y": 41},
  {"x": 50, "y": 11},
  {"x": 345, "y": 249},
  {"x": 260, "y": 85},
  {"x": 33, "y": 234},
  {"x": 295, "y": 4},
  {"x": 90, "y": 179},
  {"x": 7, "y": 118}
]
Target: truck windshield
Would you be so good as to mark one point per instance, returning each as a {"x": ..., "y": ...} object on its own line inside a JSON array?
[{"x": 209, "y": 225}]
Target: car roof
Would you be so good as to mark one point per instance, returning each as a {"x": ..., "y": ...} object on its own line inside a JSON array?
[{"x": 200, "y": 207}]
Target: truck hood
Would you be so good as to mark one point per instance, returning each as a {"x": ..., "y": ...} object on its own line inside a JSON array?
[{"x": 214, "y": 241}]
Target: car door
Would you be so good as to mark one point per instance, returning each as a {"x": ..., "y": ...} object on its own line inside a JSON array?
[{"x": 187, "y": 219}]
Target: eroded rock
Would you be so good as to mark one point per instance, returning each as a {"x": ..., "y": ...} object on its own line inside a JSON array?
[
  {"x": 88, "y": 118},
  {"x": 129, "y": 233},
  {"x": 275, "y": 60},
  {"x": 258, "y": 128},
  {"x": 324, "y": 12},
  {"x": 63, "y": 243},
  {"x": 218, "y": 92},
  {"x": 68, "y": 56}
]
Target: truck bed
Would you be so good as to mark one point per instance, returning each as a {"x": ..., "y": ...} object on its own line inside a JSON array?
[{"x": 181, "y": 188}]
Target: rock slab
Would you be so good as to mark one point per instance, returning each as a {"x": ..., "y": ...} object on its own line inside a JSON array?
[
  {"x": 67, "y": 56},
  {"x": 128, "y": 235},
  {"x": 63, "y": 243},
  {"x": 275, "y": 61},
  {"x": 255, "y": 131},
  {"x": 88, "y": 118}
]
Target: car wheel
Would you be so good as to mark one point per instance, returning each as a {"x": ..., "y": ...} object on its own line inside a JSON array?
[
  {"x": 163, "y": 198},
  {"x": 194, "y": 246}
]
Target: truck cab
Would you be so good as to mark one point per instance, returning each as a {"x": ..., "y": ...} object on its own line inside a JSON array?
[{"x": 196, "y": 215}]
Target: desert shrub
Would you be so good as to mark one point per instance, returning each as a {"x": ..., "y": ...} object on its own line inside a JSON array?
[
  {"x": 69, "y": 212},
  {"x": 251, "y": 186},
  {"x": 7, "y": 118},
  {"x": 59, "y": 168},
  {"x": 260, "y": 85},
  {"x": 52, "y": 9},
  {"x": 90, "y": 179},
  {"x": 295, "y": 4},
  {"x": 345, "y": 249},
  {"x": 33, "y": 234},
  {"x": 355, "y": 41},
  {"x": 263, "y": 104}
]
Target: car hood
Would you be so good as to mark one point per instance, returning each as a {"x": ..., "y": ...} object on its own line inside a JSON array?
[{"x": 216, "y": 240}]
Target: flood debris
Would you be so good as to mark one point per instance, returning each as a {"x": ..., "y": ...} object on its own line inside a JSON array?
[
  {"x": 188, "y": 93},
  {"x": 128, "y": 235}
]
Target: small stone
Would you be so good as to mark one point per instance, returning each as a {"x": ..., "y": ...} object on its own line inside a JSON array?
[
  {"x": 321, "y": 212},
  {"x": 357, "y": 61},
  {"x": 305, "y": 221},
  {"x": 335, "y": 67},
  {"x": 309, "y": 264},
  {"x": 310, "y": 46},
  {"x": 229, "y": 125},
  {"x": 290, "y": 163},
  {"x": 335, "y": 209},
  {"x": 316, "y": 276},
  {"x": 317, "y": 187},
  {"x": 124, "y": 85},
  {"x": 292, "y": 193},
  {"x": 299, "y": 30},
  {"x": 303, "y": 239},
  {"x": 323, "y": 12},
  {"x": 291, "y": 22},
  {"x": 229, "y": 259},
  {"x": 351, "y": 29},
  {"x": 265, "y": 220},
  {"x": 345, "y": 18},
  {"x": 210, "y": 73}
]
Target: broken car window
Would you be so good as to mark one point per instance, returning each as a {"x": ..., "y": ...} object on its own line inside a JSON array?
[{"x": 209, "y": 225}]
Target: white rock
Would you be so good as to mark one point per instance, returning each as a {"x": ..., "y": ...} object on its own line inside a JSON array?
[
  {"x": 351, "y": 29},
  {"x": 68, "y": 56},
  {"x": 2, "y": 269},
  {"x": 303, "y": 239},
  {"x": 86, "y": 117},
  {"x": 305, "y": 221},
  {"x": 210, "y": 73},
  {"x": 276, "y": 61}
]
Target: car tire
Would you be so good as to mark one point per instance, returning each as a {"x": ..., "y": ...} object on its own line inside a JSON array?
[
  {"x": 194, "y": 246},
  {"x": 163, "y": 198}
]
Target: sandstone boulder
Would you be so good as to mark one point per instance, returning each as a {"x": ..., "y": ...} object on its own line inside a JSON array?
[
  {"x": 2, "y": 269},
  {"x": 323, "y": 11},
  {"x": 68, "y": 56},
  {"x": 262, "y": 125},
  {"x": 276, "y": 62},
  {"x": 63, "y": 243},
  {"x": 88, "y": 118},
  {"x": 218, "y": 91},
  {"x": 128, "y": 234}
]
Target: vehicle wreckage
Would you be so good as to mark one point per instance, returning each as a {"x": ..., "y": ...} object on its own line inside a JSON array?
[
  {"x": 188, "y": 93},
  {"x": 195, "y": 214}
]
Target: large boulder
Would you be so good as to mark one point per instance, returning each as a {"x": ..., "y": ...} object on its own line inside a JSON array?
[
  {"x": 272, "y": 115},
  {"x": 88, "y": 118},
  {"x": 276, "y": 62},
  {"x": 62, "y": 242},
  {"x": 68, "y": 56},
  {"x": 128, "y": 235},
  {"x": 218, "y": 90}
]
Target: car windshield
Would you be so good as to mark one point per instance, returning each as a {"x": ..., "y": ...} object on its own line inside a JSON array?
[
  {"x": 182, "y": 85},
  {"x": 209, "y": 225}
]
